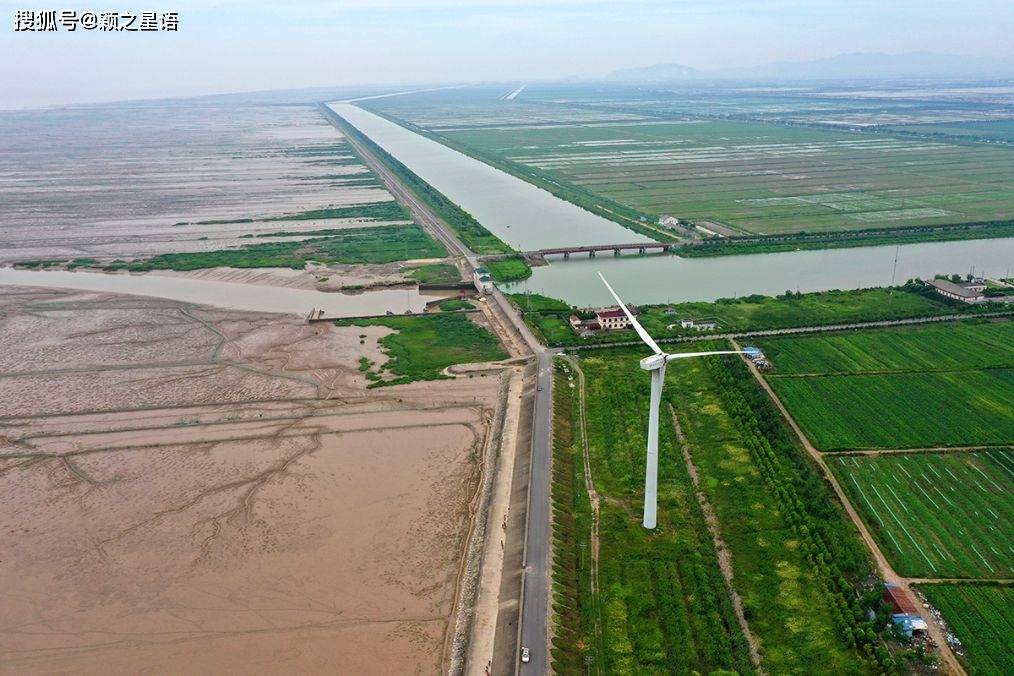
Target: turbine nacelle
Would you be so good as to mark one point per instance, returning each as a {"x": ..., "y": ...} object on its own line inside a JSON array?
[{"x": 655, "y": 361}]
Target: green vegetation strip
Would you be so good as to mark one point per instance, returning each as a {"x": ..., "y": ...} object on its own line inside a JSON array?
[
  {"x": 982, "y": 617},
  {"x": 423, "y": 346},
  {"x": 857, "y": 238},
  {"x": 435, "y": 273},
  {"x": 936, "y": 514},
  {"x": 575, "y": 647},
  {"x": 753, "y": 313},
  {"x": 377, "y": 211},
  {"x": 383, "y": 244},
  {"x": 662, "y": 597},
  {"x": 808, "y": 587}
]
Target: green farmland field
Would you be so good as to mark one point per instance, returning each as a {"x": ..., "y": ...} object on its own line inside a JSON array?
[
  {"x": 910, "y": 387},
  {"x": 944, "y": 514},
  {"x": 761, "y": 178},
  {"x": 982, "y": 617},
  {"x": 663, "y": 604},
  {"x": 902, "y": 410},
  {"x": 925, "y": 348},
  {"x": 652, "y": 585}
]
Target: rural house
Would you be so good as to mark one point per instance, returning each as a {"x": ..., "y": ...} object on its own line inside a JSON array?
[
  {"x": 903, "y": 610},
  {"x": 583, "y": 327},
  {"x": 966, "y": 292},
  {"x": 612, "y": 319}
]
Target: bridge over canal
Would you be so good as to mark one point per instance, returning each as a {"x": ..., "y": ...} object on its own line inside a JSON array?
[{"x": 591, "y": 250}]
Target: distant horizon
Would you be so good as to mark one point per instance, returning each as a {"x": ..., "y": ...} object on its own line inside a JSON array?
[
  {"x": 702, "y": 77},
  {"x": 231, "y": 46}
]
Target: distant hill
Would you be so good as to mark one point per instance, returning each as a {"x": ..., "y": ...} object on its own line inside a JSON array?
[{"x": 858, "y": 65}]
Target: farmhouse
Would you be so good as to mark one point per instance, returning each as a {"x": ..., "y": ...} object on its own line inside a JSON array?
[
  {"x": 669, "y": 221},
  {"x": 966, "y": 292},
  {"x": 612, "y": 319},
  {"x": 903, "y": 611},
  {"x": 583, "y": 327},
  {"x": 609, "y": 319}
]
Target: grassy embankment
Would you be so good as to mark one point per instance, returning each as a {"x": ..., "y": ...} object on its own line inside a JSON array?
[
  {"x": 912, "y": 387},
  {"x": 797, "y": 561},
  {"x": 841, "y": 240},
  {"x": 597, "y": 204},
  {"x": 423, "y": 346},
  {"x": 384, "y": 244},
  {"x": 548, "y": 318},
  {"x": 470, "y": 231},
  {"x": 982, "y": 617},
  {"x": 435, "y": 273}
]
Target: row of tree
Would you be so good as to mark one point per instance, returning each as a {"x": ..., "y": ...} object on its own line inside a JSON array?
[{"x": 803, "y": 500}]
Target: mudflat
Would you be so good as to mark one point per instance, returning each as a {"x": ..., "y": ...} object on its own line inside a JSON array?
[{"x": 191, "y": 490}]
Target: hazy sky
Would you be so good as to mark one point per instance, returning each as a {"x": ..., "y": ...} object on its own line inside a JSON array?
[{"x": 227, "y": 46}]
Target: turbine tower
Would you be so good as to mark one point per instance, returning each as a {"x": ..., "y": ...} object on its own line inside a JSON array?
[{"x": 655, "y": 364}]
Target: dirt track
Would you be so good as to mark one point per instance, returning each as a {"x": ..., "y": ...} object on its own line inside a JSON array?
[{"x": 947, "y": 658}]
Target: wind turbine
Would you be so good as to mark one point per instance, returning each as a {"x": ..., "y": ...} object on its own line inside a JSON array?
[{"x": 656, "y": 365}]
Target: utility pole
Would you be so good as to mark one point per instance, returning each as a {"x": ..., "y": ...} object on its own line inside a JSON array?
[{"x": 895, "y": 271}]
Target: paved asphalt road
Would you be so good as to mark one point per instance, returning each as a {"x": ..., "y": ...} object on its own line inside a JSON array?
[{"x": 534, "y": 626}]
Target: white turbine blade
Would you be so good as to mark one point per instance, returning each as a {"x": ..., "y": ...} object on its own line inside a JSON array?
[
  {"x": 637, "y": 326},
  {"x": 687, "y": 355}
]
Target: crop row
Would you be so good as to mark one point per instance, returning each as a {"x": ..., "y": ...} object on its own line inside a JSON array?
[
  {"x": 982, "y": 618},
  {"x": 936, "y": 514},
  {"x": 902, "y": 410},
  {"x": 923, "y": 348}
]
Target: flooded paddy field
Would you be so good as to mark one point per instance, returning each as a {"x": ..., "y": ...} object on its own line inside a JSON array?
[
  {"x": 198, "y": 486},
  {"x": 123, "y": 181},
  {"x": 765, "y": 179},
  {"x": 837, "y": 104},
  {"x": 747, "y": 162}
]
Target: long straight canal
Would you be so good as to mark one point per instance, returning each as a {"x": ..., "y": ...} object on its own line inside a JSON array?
[{"x": 530, "y": 218}]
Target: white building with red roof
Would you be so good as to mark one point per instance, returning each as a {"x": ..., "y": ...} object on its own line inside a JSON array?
[{"x": 612, "y": 319}]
